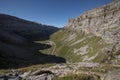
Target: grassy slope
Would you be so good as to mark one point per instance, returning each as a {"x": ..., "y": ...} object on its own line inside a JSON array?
[
  {"x": 76, "y": 77},
  {"x": 66, "y": 41}
]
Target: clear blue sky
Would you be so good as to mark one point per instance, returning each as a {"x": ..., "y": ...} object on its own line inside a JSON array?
[{"x": 51, "y": 12}]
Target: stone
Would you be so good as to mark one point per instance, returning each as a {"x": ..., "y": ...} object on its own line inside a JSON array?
[
  {"x": 113, "y": 75},
  {"x": 25, "y": 74},
  {"x": 39, "y": 72},
  {"x": 82, "y": 50},
  {"x": 41, "y": 77}
]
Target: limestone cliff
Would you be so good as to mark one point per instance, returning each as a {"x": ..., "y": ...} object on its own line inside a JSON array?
[{"x": 102, "y": 21}]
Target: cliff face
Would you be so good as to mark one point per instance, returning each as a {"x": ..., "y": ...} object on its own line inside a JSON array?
[
  {"x": 102, "y": 21},
  {"x": 92, "y": 36}
]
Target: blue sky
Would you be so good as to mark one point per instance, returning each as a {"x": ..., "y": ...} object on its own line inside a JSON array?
[{"x": 50, "y": 12}]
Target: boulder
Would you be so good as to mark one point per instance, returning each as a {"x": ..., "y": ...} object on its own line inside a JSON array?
[{"x": 113, "y": 75}]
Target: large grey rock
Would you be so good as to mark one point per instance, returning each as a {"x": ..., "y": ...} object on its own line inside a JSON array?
[
  {"x": 41, "y": 77},
  {"x": 25, "y": 74},
  {"x": 113, "y": 75}
]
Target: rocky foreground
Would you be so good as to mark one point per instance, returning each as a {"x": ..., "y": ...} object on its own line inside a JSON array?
[{"x": 62, "y": 70}]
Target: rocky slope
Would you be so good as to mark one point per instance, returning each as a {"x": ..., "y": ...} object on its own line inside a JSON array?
[
  {"x": 71, "y": 71},
  {"x": 92, "y": 36}
]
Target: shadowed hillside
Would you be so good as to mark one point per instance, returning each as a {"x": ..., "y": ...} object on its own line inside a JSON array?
[
  {"x": 17, "y": 47},
  {"x": 28, "y": 29}
]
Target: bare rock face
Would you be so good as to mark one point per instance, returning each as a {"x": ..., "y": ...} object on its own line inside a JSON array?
[
  {"x": 113, "y": 75},
  {"x": 102, "y": 21}
]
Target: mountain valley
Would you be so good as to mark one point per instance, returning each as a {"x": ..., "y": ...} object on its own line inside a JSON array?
[{"x": 87, "y": 48}]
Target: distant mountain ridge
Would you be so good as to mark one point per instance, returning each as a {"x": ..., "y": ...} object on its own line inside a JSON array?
[{"x": 24, "y": 27}]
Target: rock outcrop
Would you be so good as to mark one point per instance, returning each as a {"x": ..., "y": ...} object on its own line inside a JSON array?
[
  {"x": 102, "y": 21},
  {"x": 50, "y": 73},
  {"x": 113, "y": 75}
]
